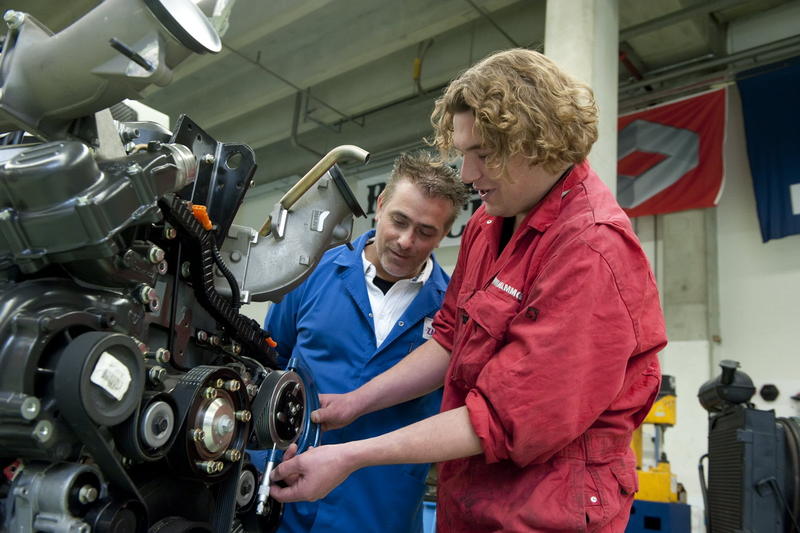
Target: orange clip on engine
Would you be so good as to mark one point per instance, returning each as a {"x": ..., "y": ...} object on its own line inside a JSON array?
[{"x": 201, "y": 214}]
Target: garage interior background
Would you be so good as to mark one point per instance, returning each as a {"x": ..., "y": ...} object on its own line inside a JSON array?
[{"x": 298, "y": 77}]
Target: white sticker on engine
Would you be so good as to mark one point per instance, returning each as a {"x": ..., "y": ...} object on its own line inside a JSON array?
[{"x": 111, "y": 375}]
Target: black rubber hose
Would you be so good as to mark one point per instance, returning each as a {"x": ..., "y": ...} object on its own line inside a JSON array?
[{"x": 236, "y": 301}]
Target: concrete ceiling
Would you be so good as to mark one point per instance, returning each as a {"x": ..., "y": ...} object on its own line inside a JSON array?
[{"x": 298, "y": 77}]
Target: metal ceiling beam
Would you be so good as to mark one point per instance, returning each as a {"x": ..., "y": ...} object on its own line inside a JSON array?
[
  {"x": 788, "y": 46},
  {"x": 677, "y": 16}
]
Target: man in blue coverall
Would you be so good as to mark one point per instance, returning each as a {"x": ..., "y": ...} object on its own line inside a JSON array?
[{"x": 360, "y": 312}]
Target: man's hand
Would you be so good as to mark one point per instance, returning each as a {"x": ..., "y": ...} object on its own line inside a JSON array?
[
  {"x": 310, "y": 475},
  {"x": 336, "y": 411}
]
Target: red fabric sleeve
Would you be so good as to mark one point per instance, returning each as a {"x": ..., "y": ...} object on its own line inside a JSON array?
[
  {"x": 563, "y": 365},
  {"x": 444, "y": 320}
]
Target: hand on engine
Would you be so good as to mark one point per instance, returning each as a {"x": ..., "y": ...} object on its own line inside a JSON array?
[
  {"x": 336, "y": 411},
  {"x": 310, "y": 475}
]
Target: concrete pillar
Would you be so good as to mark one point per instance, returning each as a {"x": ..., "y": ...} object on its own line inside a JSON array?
[{"x": 582, "y": 36}]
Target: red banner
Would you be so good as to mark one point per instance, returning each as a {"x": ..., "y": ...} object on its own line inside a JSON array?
[{"x": 669, "y": 157}]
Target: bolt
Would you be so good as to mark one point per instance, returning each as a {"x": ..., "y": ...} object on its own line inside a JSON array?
[
  {"x": 252, "y": 389},
  {"x": 232, "y": 385},
  {"x": 236, "y": 256},
  {"x": 156, "y": 374},
  {"x": 219, "y": 382},
  {"x": 162, "y": 355},
  {"x": 209, "y": 393},
  {"x": 154, "y": 305},
  {"x": 214, "y": 340},
  {"x": 224, "y": 426},
  {"x": 281, "y": 416},
  {"x": 186, "y": 269},
  {"x": 243, "y": 415},
  {"x": 162, "y": 267},
  {"x": 155, "y": 254},
  {"x": 87, "y": 494},
  {"x": 201, "y": 335},
  {"x": 14, "y": 19},
  {"x": 160, "y": 425},
  {"x": 236, "y": 348},
  {"x": 208, "y": 159},
  {"x": 134, "y": 169},
  {"x": 142, "y": 346},
  {"x": 146, "y": 293},
  {"x": 293, "y": 408},
  {"x": 43, "y": 431},
  {"x": 233, "y": 455},
  {"x": 170, "y": 232},
  {"x": 210, "y": 467},
  {"x": 30, "y": 408},
  {"x": 197, "y": 434}
]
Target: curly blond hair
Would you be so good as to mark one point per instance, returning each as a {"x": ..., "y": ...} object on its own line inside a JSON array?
[{"x": 523, "y": 104}]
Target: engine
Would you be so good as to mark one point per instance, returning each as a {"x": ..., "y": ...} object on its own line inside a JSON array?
[{"x": 130, "y": 383}]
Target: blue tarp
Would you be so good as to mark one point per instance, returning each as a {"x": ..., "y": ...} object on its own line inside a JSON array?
[{"x": 771, "y": 109}]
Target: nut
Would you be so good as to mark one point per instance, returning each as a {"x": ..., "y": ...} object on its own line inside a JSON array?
[
  {"x": 87, "y": 494},
  {"x": 232, "y": 385},
  {"x": 233, "y": 455},
  {"x": 155, "y": 254},
  {"x": 156, "y": 374},
  {"x": 163, "y": 355}
]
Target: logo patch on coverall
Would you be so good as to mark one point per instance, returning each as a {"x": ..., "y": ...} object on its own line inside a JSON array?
[{"x": 427, "y": 328}]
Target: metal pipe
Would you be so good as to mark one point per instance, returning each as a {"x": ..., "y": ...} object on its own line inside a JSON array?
[
  {"x": 296, "y": 122},
  {"x": 316, "y": 172},
  {"x": 677, "y": 16},
  {"x": 485, "y": 14},
  {"x": 745, "y": 54}
]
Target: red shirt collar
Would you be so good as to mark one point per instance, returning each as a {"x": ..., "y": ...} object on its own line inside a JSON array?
[{"x": 547, "y": 210}]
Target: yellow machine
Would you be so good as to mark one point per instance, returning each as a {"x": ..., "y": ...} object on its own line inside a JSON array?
[{"x": 657, "y": 483}]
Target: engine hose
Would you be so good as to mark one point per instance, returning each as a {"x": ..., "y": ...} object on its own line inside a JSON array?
[{"x": 236, "y": 301}]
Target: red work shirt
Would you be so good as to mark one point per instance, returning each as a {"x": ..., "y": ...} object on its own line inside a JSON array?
[{"x": 554, "y": 346}]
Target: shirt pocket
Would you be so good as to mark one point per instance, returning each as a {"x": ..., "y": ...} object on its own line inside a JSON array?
[{"x": 485, "y": 316}]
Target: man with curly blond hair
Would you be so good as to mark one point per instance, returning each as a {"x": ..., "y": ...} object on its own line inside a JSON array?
[{"x": 547, "y": 340}]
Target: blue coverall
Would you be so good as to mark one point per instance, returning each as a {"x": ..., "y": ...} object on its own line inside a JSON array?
[{"x": 327, "y": 321}]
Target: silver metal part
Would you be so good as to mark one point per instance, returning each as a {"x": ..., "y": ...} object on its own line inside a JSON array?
[
  {"x": 45, "y": 83},
  {"x": 218, "y": 424},
  {"x": 157, "y": 424},
  {"x": 247, "y": 488},
  {"x": 271, "y": 266},
  {"x": 43, "y": 431},
  {"x": 41, "y": 495},
  {"x": 277, "y": 425},
  {"x": 263, "y": 487},
  {"x": 156, "y": 374}
]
